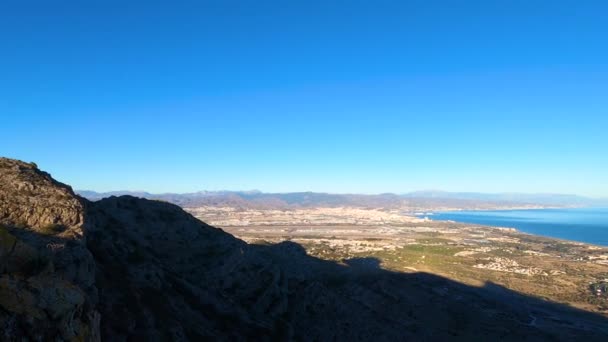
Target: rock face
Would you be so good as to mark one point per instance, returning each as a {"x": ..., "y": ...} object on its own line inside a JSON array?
[
  {"x": 47, "y": 274},
  {"x": 125, "y": 268},
  {"x": 161, "y": 274}
]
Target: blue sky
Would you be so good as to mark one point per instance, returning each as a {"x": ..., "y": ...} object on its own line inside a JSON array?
[{"x": 336, "y": 96}]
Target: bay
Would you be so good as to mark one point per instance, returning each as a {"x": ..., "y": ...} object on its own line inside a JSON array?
[{"x": 588, "y": 225}]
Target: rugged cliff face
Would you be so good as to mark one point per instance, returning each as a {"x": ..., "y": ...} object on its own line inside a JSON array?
[
  {"x": 47, "y": 274},
  {"x": 125, "y": 268}
]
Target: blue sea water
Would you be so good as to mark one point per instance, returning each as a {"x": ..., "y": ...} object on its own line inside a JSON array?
[{"x": 588, "y": 225}]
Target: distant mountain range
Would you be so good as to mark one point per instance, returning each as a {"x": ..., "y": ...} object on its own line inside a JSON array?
[
  {"x": 419, "y": 200},
  {"x": 514, "y": 197}
]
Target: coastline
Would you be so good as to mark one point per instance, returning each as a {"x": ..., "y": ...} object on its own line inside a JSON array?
[{"x": 552, "y": 223}]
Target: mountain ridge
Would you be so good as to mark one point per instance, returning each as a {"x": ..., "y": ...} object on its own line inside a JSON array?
[{"x": 423, "y": 199}]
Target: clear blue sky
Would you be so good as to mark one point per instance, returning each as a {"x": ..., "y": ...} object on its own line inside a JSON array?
[{"x": 336, "y": 96}]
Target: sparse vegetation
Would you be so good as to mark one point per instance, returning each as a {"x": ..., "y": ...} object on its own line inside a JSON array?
[
  {"x": 52, "y": 229},
  {"x": 540, "y": 267}
]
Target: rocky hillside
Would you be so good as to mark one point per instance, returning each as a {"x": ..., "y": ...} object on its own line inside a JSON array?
[
  {"x": 47, "y": 282},
  {"x": 125, "y": 268}
]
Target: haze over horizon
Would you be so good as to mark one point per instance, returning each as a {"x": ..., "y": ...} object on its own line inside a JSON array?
[
  {"x": 309, "y": 96},
  {"x": 433, "y": 192}
]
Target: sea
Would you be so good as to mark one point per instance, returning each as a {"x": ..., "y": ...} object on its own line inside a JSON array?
[{"x": 588, "y": 225}]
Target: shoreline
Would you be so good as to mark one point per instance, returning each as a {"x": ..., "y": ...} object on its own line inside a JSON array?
[{"x": 520, "y": 229}]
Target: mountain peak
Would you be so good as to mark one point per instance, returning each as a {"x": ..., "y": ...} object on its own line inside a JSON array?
[{"x": 31, "y": 197}]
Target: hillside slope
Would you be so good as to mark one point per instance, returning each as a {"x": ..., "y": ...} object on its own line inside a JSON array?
[{"x": 125, "y": 268}]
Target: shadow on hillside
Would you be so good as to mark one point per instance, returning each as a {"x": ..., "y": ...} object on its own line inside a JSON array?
[
  {"x": 435, "y": 307},
  {"x": 358, "y": 300}
]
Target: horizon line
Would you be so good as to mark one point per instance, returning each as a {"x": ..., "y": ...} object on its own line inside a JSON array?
[{"x": 347, "y": 193}]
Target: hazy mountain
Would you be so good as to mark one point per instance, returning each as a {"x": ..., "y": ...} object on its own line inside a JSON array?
[
  {"x": 419, "y": 199},
  {"x": 125, "y": 268},
  {"x": 543, "y": 199}
]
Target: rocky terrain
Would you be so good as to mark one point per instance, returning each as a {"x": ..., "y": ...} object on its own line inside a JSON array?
[
  {"x": 47, "y": 282},
  {"x": 125, "y": 268}
]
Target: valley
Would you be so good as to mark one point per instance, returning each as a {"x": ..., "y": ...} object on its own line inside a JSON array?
[{"x": 556, "y": 270}]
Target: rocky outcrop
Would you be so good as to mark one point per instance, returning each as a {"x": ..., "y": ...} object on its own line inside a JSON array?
[
  {"x": 125, "y": 268},
  {"x": 47, "y": 274},
  {"x": 32, "y": 198}
]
